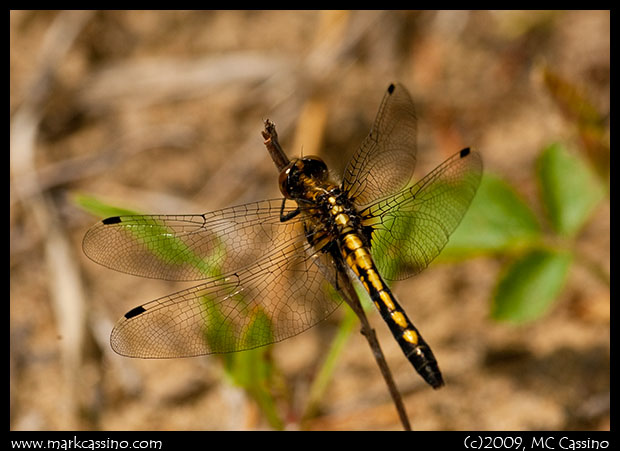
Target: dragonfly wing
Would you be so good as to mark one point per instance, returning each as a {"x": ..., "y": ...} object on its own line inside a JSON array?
[
  {"x": 411, "y": 228},
  {"x": 280, "y": 295},
  {"x": 384, "y": 163},
  {"x": 189, "y": 247}
]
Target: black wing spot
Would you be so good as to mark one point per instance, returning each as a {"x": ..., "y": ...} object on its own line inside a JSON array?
[
  {"x": 135, "y": 312},
  {"x": 465, "y": 152},
  {"x": 391, "y": 88},
  {"x": 112, "y": 220}
]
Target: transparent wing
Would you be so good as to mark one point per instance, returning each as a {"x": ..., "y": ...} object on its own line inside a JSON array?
[
  {"x": 264, "y": 282},
  {"x": 409, "y": 229},
  {"x": 384, "y": 163},
  {"x": 280, "y": 296},
  {"x": 190, "y": 247}
]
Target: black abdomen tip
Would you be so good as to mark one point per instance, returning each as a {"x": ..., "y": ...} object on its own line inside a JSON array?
[
  {"x": 431, "y": 374},
  {"x": 436, "y": 382},
  {"x": 424, "y": 362}
]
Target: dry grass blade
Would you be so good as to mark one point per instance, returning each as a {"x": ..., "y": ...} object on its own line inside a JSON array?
[{"x": 65, "y": 286}]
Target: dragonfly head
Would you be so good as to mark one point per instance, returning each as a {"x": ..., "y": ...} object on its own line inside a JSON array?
[{"x": 299, "y": 173}]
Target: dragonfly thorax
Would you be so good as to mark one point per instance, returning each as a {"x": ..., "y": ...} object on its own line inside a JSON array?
[{"x": 327, "y": 209}]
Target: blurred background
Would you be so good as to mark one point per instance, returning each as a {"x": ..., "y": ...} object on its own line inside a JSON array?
[{"x": 161, "y": 112}]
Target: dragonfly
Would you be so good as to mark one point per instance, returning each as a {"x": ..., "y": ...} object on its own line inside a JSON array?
[{"x": 272, "y": 269}]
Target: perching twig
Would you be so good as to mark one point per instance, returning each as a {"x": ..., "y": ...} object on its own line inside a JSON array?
[
  {"x": 273, "y": 146},
  {"x": 350, "y": 296},
  {"x": 353, "y": 300}
]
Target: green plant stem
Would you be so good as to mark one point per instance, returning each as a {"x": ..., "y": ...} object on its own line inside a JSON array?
[{"x": 321, "y": 381}]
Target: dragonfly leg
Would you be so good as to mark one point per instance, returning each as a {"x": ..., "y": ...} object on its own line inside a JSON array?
[{"x": 289, "y": 215}]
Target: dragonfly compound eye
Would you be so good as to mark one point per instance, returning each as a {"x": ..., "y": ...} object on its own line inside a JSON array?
[
  {"x": 315, "y": 167},
  {"x": 289, "y": 178}
]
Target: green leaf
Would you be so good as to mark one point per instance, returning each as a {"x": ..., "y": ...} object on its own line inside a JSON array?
[
  {"x": 254, "y": 371},
  {"x": 497, "y": 219},
  {"x": 259, "y": 331},
  {"x": 97, "y": 208},
  {"x": 569, "y": 189},
  {"x": 218, "y": 330},
  {"x": 529, "y": 285}
]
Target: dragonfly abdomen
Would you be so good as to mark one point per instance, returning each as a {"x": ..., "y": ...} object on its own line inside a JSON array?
[{"x": 419, "y": 353}]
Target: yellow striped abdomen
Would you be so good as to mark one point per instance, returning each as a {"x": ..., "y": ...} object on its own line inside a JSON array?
[{"x": 358, "y": 258}]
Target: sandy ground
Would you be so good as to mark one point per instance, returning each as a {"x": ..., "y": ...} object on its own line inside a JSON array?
[{"x": 162, "y": 112}]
